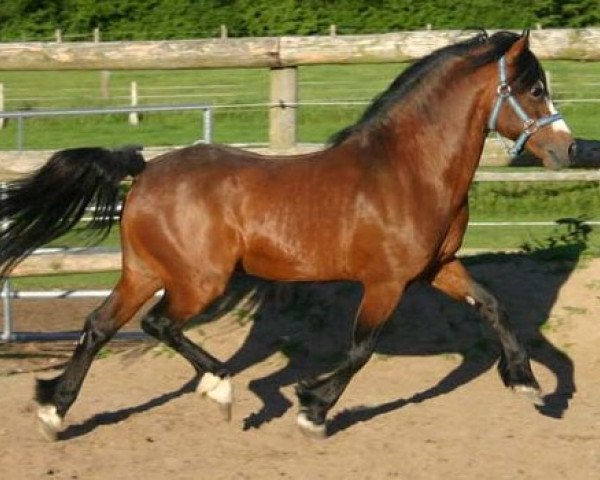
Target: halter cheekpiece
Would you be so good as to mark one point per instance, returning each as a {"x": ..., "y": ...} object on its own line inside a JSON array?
[{"x": 530, "y": 126}]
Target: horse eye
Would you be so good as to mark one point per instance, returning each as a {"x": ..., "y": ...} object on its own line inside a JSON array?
[{"x": 537, "y": 90}]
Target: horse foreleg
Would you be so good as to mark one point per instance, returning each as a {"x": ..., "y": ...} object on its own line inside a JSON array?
[
  {"x": 319, "y": 395},
  {"x": 55, "y": 396},
  {"x": 165, "y": 322},
  {"x": 514, "y": 365}
]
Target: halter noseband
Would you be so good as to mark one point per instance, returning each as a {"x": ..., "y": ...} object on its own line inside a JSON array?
[{"x": 530, "y": 126}]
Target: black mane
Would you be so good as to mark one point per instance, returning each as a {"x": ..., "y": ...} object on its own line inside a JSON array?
[{"x": 499, "y": 43}]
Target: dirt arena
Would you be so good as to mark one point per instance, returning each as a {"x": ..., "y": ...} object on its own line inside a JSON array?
[{"x": 429, "y": 405}]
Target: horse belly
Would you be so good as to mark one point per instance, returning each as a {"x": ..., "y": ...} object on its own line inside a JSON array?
[{"x": 299, "y": 261}]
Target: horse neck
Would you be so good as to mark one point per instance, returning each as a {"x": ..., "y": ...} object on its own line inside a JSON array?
[{"x": 446, "y": 146}]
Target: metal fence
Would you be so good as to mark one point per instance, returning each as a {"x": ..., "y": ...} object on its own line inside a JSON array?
[{"x": 22, "y": 115}]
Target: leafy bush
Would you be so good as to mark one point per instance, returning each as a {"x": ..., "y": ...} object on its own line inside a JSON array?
[{"x": 162, "y": 19}]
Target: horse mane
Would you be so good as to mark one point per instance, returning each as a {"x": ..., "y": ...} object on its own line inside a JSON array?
[{"x": 413, "y": 76}]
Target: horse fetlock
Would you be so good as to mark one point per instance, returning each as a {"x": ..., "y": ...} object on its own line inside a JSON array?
[
  {"x": 313, "y": 411},
  {"x": 45, "y": 389},
  {"x": 49, "y": 421},
  {"x": 519, "y": 377},
  {"x": 309, "y": 427},
  {"x": 531, "y": 393},
  {"x": 516, "y": 371},
  {"x": 219, "y": 389}
]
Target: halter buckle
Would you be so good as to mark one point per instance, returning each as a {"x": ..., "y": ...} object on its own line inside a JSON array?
[
  {"x": 530, "y": 126},
  {"x": 504, "y": 90}
]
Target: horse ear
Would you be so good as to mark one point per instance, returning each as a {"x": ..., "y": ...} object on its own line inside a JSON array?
[{"x": 518, "y": 47}]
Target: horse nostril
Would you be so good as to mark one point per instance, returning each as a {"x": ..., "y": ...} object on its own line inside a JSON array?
[{"x": 572, "y": 151}]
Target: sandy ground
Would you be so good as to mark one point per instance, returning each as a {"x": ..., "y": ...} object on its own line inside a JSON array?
[{"x": 429, "y": 405}]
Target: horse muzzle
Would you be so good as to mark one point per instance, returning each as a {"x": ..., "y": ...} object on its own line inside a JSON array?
[{"x": 557, "y": 155}]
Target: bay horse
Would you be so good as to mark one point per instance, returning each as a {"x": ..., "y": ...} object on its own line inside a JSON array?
[{"x": 385, "y": 204}]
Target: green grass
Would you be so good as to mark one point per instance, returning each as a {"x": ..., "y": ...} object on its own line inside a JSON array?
[
  {"x": 577, "y": 80},
  {"x": 226, "y": 88},
  {"x": 99, "y": 280},
  {"x": 528, "y": 201}
]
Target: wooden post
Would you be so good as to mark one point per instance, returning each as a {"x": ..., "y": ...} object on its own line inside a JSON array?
[
  {"x": 282, "y": 118},
  {"x": 224, "y": 33},
  {"x": 134, "y": 118},
  {"x": 96, "y": 35},
  {"x": 332, "y": 30},
  {"x": 2, "y": 120},
  {"x": 105, "y": 84},
  {"x": 58, "y": 35}
]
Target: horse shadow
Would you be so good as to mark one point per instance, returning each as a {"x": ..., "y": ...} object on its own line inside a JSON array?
[{"x": 311, "y": 324}]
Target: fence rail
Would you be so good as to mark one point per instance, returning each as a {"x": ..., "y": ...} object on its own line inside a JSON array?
[
  {"x": 273, "y": 52},
  {"x": 22, "y": 115}
]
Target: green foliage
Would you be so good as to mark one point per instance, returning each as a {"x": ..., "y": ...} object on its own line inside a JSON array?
[{"x": 159, "y": 19}]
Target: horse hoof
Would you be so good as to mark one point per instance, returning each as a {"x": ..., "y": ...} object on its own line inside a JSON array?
[
  {"x": 225, "y": 409},
  {"x": 220, "y": 390},
  {"x": 534, "y": 395},
  {"x": 309, "y": 428},
  {"x": 49, "y": 422}
]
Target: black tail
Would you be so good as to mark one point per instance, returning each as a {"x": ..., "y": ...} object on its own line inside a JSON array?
[{"x": 51, "y": 201}]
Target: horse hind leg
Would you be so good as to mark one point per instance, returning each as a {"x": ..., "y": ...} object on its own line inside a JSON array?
[
  {"x": 165, "y": 321},
  {"x": 55, "y": 396}
]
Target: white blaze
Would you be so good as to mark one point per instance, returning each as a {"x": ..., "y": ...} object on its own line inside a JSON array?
[{"x": 559, "y": 125}]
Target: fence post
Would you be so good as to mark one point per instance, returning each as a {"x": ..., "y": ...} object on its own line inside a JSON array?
[
  {"x": 332, "y": 30},
  {"x": 105, "y": 83},
  {"x": 58, "y": 35},
  {"x": 134, "y": 118},
  {"x": 208, "y": 125},
  {"x": 96, "y": 35},
  {"x": 224, "y": 33},
  {"x": 2, "y": 120},
  {"x": 282, "y": 115},
  {"x": 7, "y": 331},
  {"x": 20, "y": 133}
]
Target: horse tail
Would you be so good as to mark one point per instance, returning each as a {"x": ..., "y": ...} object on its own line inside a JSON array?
[{"x": 51, "y": 201}]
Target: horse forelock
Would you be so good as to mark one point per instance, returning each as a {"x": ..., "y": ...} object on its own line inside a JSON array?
[{"x": 478, "y": 50}]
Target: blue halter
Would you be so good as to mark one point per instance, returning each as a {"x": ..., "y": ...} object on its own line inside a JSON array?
[{"x": 530, "y": 126}]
